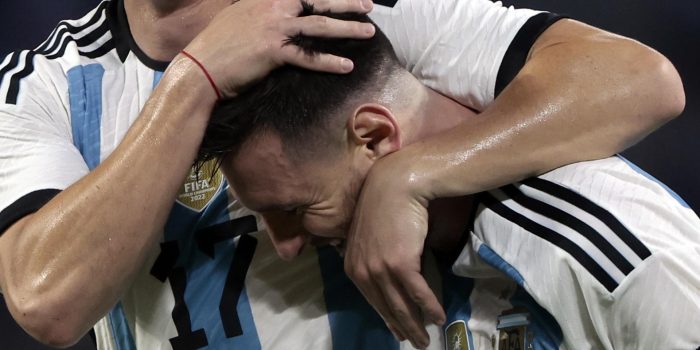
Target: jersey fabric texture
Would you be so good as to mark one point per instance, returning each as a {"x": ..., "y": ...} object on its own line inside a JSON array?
[
  {"x": 608, "y": 251},
  {"x": 216, "y": 282}
]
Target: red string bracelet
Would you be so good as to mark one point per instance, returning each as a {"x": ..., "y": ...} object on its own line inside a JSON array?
[{"x": 213, "y": 84}]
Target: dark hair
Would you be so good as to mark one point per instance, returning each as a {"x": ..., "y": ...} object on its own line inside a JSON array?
[{"x": 292, "y": 101}]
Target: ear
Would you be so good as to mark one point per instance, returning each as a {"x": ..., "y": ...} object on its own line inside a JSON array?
[{"x": 376, "y": 128}]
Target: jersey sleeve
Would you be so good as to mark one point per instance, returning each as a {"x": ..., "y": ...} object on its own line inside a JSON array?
[
  {"x": 37, "y": 156},
  {"x": 466, "y": 49}
]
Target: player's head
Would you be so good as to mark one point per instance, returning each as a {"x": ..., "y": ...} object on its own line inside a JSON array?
[{"x": 302, "y": 142}]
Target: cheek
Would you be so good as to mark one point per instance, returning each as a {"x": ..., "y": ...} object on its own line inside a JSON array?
[{"x": 332, "y": 226}]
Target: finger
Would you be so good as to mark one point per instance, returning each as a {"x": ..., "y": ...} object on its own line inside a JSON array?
[
  {"x": 422, "y": 295},
  {"x": 326, "y": 27},
  {"x": 373, "y": 294},
  {"x": 338, "y": 6},
  {"x": 410, "y": 322},
  {"x": 399, "y": 336},
  {"x": 319, "y": 62}
]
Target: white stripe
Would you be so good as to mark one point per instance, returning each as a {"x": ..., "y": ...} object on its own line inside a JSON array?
[
  {"x": 6, "y": 61},
  {"x": 97, "y": 43},
  {"x": 8, "y": 76},
  {"x": 78, "y": 35},
  {"x": 90, "y": 29},
  {"x": 64, "y": 24},
  {"x": 589, "y": 248},
  {"x": 50, "y": 38},
  {"x": 588, "y": 218}
]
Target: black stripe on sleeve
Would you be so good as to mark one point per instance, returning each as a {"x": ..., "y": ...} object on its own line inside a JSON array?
[
  {"x": 24, "y": 206},
  {"x": 552, "y": 237},
  {"x": 14, "y": 60},
  {"x": 515, "y": 56},
  {"x": 71, "y": 29},
  {"x": 586, "y": 204},
  {"x": 387, "y": 3},
  {"x": 13, "y": 90},
  {"x": 572, "y": 222}
]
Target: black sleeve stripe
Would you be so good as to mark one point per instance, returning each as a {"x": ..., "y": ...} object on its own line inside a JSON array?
[
  {"x": 551, "y": 236},
  {"x": 14, "y": 60},
  {"x": 559, "y": 215},
  {"x": 587, "y": 205},
  {"x": 517, "y": 52},
  {"x": 59, "y": 40},
  {"x": 387, "y": 3},
  {"x": 24, "y": 206},
  {"x": 13, "y": 90},
  {"x": 64, "y": 26}
]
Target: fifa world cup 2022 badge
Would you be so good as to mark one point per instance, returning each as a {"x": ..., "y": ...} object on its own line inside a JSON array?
[
  {"x": 456, "y": 336},
  {"x": 200, "y": 186}
]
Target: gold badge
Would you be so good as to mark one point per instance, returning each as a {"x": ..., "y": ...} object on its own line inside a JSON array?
[
  {"x": 200, "y": 186},
  {"x": 456, "y": 337}
]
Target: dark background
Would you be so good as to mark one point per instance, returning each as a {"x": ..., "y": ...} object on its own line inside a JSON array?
[{"x": 671, "y": 27}]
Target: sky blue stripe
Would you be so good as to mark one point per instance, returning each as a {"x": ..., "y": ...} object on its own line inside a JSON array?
[
  {"x": 120, "y": 329},
  {"x": 354, "y": 323},
  {"x": 648, "y": 176},
  {"x": 85, "y": 97},
  {"x": 206, "y": 276},
  {"x": 455, "y": 298},
  {"x": 546, "y": 330},
  {"x": 493, "y": 259},
  {"x": 156, "y": 78}
]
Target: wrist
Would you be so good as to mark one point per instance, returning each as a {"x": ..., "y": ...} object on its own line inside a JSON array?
[
  {"x": 401, "y": 176},
  {"x": 186, "y": 83}
]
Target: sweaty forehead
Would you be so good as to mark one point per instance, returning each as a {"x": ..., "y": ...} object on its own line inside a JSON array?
[{"x": 263, "y": 176}]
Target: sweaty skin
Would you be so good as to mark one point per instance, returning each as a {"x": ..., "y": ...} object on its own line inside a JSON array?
[{"x": 63, "y": 267}]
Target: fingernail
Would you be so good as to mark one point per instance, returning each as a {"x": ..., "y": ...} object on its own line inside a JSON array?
[
  {"x": 346, "y": 65},
  {"x": 369, "y": 29},
  {"x": 367, "y": 4}
]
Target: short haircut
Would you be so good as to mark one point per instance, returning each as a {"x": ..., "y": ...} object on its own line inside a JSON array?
[{"x": 296, "y": 103}]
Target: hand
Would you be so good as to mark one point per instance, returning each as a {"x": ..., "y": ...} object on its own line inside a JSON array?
[
  {"x": 245, "y": 41},
  {"x": 383, "y": 254}
]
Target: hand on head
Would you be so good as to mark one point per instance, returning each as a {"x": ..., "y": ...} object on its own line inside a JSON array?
[{"x": 246, "y": 40}]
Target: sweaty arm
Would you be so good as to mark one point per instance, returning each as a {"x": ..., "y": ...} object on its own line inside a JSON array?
[
  {"x": 579, "y": 93},
  {"x": 75, "y": 230}
]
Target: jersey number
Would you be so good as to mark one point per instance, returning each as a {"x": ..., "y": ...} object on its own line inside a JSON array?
[{"x": 164, "y": 267}]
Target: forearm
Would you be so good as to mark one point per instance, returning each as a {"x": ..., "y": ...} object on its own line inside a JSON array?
[
  {"x": 583, "y": 94},
  {"x": 87, "y": 243}
]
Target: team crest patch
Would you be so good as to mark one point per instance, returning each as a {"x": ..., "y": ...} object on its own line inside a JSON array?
[
  {"x": 200, "y": 186},
  {"x": 512, "y": 331},
  {"x": 456, "y": 337}
]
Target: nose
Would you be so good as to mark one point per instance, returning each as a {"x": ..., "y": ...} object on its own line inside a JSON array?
[
  {"x": 289, "y": 247},
  {"x": 286, "y": 233}
]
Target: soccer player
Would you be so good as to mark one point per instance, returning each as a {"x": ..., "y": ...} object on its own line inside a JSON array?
[
  {"x": 100, "y": 208},
  {"x": 608, "y": 252}
]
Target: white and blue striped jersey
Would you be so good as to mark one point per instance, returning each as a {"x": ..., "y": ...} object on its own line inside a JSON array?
[
  {"x": 216, "y": 282},
  {"x": 612, "y": 254}
]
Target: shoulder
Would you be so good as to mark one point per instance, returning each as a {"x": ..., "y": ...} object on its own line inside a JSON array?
[{"x": 74, "y": 42}]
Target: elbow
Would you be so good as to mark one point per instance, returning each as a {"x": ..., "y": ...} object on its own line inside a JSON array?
[
  {"x": 664, "y": 86},
  {"x": 49, "y": 322}
]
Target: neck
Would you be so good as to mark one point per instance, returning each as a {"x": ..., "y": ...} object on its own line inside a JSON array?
[
  {"x": 430, "y": 114},
  {"x": 161, "y": 28}
]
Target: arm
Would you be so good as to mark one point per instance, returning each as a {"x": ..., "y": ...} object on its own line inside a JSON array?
[
  {"x": 582, "y": 94},
  {"x": 64, "y": 266}
]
